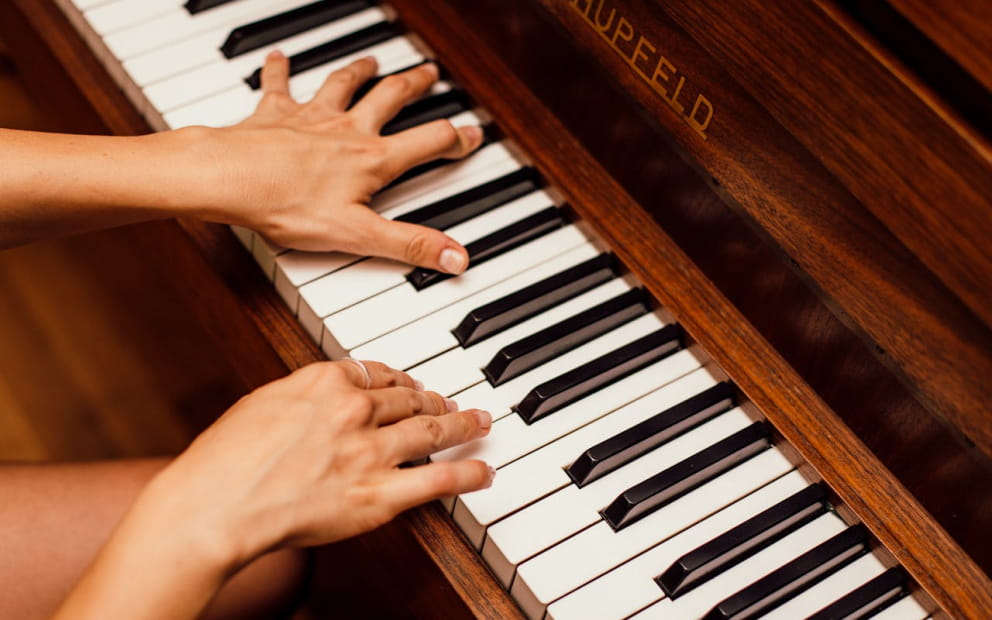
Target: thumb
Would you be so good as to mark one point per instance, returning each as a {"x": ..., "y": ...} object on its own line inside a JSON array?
[{"x": 412, "y": 243}]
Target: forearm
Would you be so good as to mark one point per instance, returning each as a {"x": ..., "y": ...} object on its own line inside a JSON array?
[{"x": 55, "y": 184}]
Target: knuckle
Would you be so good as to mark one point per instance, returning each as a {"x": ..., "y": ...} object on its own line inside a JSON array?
[
  {"x": 434, "y": 432},
  {"x": 346, "y": 77},
  {"x": 446, "y": 133},
  {"x": 396, "y": 84},
  {"x": 418, "y": 248},
  {"x": 444, "y": 481},
  {"x": 414, "y": 403}
]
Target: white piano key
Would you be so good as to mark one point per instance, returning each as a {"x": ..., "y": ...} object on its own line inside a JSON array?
[
  {"x": 630, "y": 586},
  {"x": 501, "y": 398},
  {"x": 697, "y": 602},
  {"x": 244, "y": 235},
  {"x": 829, "y": 590},
  {"x": 296, "y": 268},
  {"x": 234, "y": 103},
  {"x": 906, "y": 608},
  {"x": 364, "y": 279},
  {"x": 107, "y": 18},
  {"x": 541, "y": 525},
  {"x": 265, "y": 253},
  {"x": 223, "y": 74},
  {"x": 459, "y": 368},
  {"x": 179, "y": 25},
  {"x": 363, "y": 322},
  {"x": 541, "y": 472},
  {"x": 431, "y": 334},
  {"x": 84, "y": 5}
]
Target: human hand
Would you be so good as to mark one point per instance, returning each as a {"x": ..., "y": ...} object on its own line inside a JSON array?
[
  {"x": 305, "y": 172},
  {"x": 313, "y": 458}
]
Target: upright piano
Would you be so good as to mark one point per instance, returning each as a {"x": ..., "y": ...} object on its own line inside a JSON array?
[{"x": 729, "y": 298}]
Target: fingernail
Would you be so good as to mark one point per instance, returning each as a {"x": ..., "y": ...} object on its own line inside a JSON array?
[
  {"x": 492, "y": 476},
  {"x": 485, "y": 419},
  {"x": 418, "y": 385},
  {"x": 472, "y": 133},
  {"x": 432, "y": 69},
  {"x": 450, "y": 405},
  {"x": 452, "y": 261},
  {"x": 276, "y": 55}
]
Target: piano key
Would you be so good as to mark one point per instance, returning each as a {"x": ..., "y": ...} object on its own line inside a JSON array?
[
  {"x": 459, "y": 368},
  {"x": 225, "y": 74},
  {"x": 236, "y": 103},
  {"x": 744, "y": 540},
  {"x": 786, "y": 581},
  {"x": 495, "y": 244},
  {"x": 540, "y": 473},
  {"x": 508, "y": 310},
  {"x": 265, "y": 252},
  {"x": 906, "y": 608},
  {"x": 364, "y": 279},
  {"x": 179, "y": 26},
  {"x": 105, "y": 19},
  {"x": 196, "y": 6},
  {"x": 431, "y": 335},
  {"x": 560, "y": 515},
  {"x": 811, "y": 600},
  {"x": 188, "y": 53},
  {"x": 458, "y": 208},
  {"x": 523, "y": 355},
  {"x": 698, "y": 602},
  {"x": 332, "y": 50},
  {"x": 511, "y": 438},
  {"x": 556, "y": 393},
  {"x": 288, "y": 23},
  {"x": 629, "y": 586},
  {"x": 244, "y": 236},
  {"x": 499, "y": 400},
  {"x": 873, "y": 596},
  {"x": 576, "y": 560},
  {"x": 426, "y": 110},
  {"x": 610, "y": 453},
  {"x": 665, "y": 486},
  {"x": 296, "y": 268},
  {"x": 365, "y": 321}
]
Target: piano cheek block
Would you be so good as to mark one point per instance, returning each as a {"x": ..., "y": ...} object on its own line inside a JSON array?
[{"x": 670, "y": 484}]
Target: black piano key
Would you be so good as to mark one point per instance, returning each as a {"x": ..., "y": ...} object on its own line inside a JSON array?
[
  {"x": 332, "y": 50},
  {"x": 463, "y": 206},
  {"x": 494, "y": 244},
  {"x": 641, "y": 438},
  {"x": 527, "y": 353},
  {"x": 867, "y": 600},
  {"x": 743, "y": 541},
  {"x": 784, "y": 583},
  {"x": 598, "y": 373},
  {"x": 427, "y": 109},
  {"x": 520, "y": 305},
  {"x": 278, "y": 27},
  {"x": 196, "y": 6},
  {"x": 641, "y": 499}
]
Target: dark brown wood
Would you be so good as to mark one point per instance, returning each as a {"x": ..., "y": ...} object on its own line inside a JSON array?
[{"x": 891, "y": 512}]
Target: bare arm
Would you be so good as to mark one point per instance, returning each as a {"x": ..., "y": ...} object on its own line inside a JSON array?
[{"x": 301, "y": 174}]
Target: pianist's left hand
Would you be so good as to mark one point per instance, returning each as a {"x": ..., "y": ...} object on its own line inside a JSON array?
[{"x": 300, "y": 173}]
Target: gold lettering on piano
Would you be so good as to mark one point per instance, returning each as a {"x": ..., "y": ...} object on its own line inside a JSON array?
[{"x": 647, "y": 61}]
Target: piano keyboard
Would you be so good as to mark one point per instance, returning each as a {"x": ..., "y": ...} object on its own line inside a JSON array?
[{"x": 630, "y": 483}]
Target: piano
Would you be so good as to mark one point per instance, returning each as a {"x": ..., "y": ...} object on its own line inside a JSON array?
[{"x": 729, "y": 300}]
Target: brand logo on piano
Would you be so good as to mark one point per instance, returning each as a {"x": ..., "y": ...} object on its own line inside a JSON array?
[{"x": 647, "y": 61}]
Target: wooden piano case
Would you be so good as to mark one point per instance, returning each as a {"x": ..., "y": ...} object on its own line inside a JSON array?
[{"x": 787, "y": 178}]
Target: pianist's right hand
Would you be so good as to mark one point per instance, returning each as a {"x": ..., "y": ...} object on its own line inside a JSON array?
[{"x": 306, "y": 460}]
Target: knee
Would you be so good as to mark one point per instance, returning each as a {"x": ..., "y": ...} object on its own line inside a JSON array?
[{"x": 270, "y": 587}]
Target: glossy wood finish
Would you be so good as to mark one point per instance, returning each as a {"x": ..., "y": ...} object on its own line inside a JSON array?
[
  {"x": 559, "y": 106},
  {"x": 875, "y": 495}
]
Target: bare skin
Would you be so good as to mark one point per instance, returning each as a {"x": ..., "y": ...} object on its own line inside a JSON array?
[{"x": 310, "y": 459}]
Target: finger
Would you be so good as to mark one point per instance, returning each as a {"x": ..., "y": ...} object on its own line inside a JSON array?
[
  {"x": 421, "y": 436},
  {"x": 389, "y": 96},
  {"x": 390, "y": 405},
  {"x": 379, "y": 375},
  {"x": 339, "y": 87},
  {"x": 430, "y": 141},
  {"x": 413, "y": 486},
  {"x": 409, "y": 243},
  {"x": 275, "y": 74}
]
